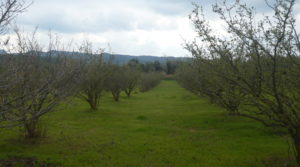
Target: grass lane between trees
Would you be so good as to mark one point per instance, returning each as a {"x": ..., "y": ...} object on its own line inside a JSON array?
[{"x": 165, "y": 127}]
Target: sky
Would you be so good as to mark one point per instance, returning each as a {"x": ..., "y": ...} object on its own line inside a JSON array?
[{"x": 133, "y": 27}]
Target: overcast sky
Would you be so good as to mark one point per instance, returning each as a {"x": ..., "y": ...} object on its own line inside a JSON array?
[{"x": 135, "y": 27}]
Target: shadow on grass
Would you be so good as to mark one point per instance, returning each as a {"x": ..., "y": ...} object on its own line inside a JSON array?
[
  {"x": 142, "y": 118},
  {"x": 279, "y": 162},
  {"x": 27, "y": 162}
]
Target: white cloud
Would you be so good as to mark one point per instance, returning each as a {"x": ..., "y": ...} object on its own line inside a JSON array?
[{"x": 136, "y": 27}]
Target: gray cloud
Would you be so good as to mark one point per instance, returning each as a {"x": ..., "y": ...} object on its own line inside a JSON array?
[
  {"x": 71, "y": 16},
  {"x": 131, "y": 26},
  {"x": 104, "y": 15}
]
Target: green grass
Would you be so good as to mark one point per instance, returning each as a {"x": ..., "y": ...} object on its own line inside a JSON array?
[{"x": 166, "y": 127}]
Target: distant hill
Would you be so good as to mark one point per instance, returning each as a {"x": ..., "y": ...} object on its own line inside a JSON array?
[
  {"x": 123, "y": 59},
  {"x": 2, "y": 52},
  {"x": 118, "y": 58}
]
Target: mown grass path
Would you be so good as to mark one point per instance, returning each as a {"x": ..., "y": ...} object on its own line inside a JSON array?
[{"x": 166, "y": 127}]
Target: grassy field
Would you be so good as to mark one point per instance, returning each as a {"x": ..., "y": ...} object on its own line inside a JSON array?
[{"x": 166, "y": 127}]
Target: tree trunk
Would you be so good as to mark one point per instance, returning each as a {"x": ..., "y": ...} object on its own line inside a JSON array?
[
  {"x": 296, "y": 139},
  {"x": 32, "y": 129},
  {"x": 128, "y": 93},
  {"x": 93, "y": 105},
  {"x": 233, "y": 111},
  {"x": 116, "y": 96},
  {"x": 4, "y": 117}
]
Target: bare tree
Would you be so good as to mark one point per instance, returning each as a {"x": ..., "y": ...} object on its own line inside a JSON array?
[
  {"x": 187, "y": 76},
  {"x": 94, "y": 75},
  {"x": 44, "y": 80},
  {"x": 199, "y": 78},
  {"x": 116, "y": 81},
  {"x": 149, "y": 81},
  {"x": 9, "y": 10},
  {"x": 131, "y": 79},
  {"x": 261, "y": 58}
]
